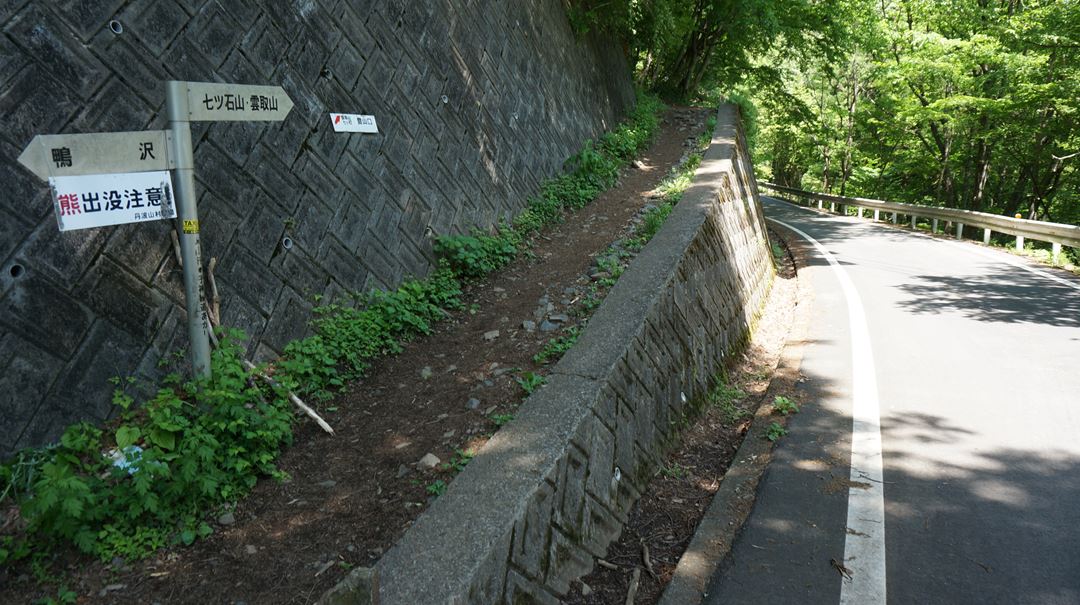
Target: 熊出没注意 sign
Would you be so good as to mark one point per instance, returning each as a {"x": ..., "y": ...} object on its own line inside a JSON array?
[{"x": 100, "y": 200}]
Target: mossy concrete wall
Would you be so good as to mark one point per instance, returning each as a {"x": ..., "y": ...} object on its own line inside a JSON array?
[
  {"x": 477, "y": 102},
  {"x": 552, "y": 489}
]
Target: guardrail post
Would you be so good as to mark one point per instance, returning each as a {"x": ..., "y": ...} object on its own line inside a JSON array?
[
  {"x": 933, "y": 226},
  {"x": 832, "y": 206},
  {"x": 914, "y": 220},
  {"x": 1019, "y": 243},
  {"x": 819, "y": 204},
  {"x": 959, "y": 230},
  {"x": 896, "y": 218},
  {"x": 986, "y": 236},
  {"x": 877, "y": 214},
  {"x": 1055, "y": 252}
]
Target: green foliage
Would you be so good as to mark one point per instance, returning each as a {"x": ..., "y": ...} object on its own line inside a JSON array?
[
  {"x": 186, "y": 451},
  {"x": 556, "y": 347},
  {"x": 674, "y": 470},
  {"x": 458, "y": 461},
  {"x": 589, "y": 172},
  {"x": 501, "y": 419},
  {"x": 774, "y": 431},
  {"x": 347, "y": 339},
  {"x": 64, "y": 596},
  {"x": 530, "y": 381},
  {"x": 727, "y": 398},
  {"x": 785, "y": 406},
  {"x": 436, "y": 488},
  {"x": 964, "y": 104}
]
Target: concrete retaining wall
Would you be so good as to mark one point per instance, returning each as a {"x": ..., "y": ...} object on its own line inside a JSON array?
[
  {"x": 522, "y": 93},
  {"x": 552, "y": 489}
]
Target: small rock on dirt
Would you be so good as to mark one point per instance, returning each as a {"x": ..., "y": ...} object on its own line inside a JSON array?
[
  {"x": 426, "y": 372},
  {"x": 428, "y": 461},
  {"x": 402, "y": 470},
  {"x": 585, "y": 590},
  {"x": 491, "y": 335},
  {"x": 251, "y": 549},
  {"x": 327, "y": 484},
  {"x": 449, "y": 434},
  {"x": 559, "y": 318},
  {"x": 528, "y": 325},
  {"x": 472, "y": 403},
  {"x": 547, "y": 326},
  {"x": 227, "y": 518}
]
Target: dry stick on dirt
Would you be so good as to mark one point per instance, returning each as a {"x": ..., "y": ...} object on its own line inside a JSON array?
[
  {"x": 606, "y": 565},
  {"x": 176, "y": 249},
  {"x": 632, "y": 592},
  {"x": 648, "y": 561},
  {"x": 215, "y": 321}
]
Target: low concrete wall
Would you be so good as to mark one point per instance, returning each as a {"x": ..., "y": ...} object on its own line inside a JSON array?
[{"x": 552, "y": 489}]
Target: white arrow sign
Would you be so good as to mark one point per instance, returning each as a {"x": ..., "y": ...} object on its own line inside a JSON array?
[
  {"x": 213, "y": 102},
  {"x": 97, "y": 153}
]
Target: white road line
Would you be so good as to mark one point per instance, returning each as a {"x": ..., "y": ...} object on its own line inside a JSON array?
[{"x": 864, "y": 543}]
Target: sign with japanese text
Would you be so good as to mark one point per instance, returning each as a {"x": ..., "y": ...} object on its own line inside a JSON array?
[
  {"x": 51, "y": 155},
  {"x": 351, "y": 122},
  {"x": 101, "y": 200},
  {"x": 209, "y": 101}
]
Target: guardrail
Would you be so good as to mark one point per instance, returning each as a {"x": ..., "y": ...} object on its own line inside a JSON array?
[{"x": 1057, "y": 234}]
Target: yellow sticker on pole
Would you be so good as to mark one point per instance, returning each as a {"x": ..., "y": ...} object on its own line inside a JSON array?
[{"x": 191, "y": 226}]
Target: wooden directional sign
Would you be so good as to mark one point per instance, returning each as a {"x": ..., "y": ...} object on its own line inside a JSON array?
[
  {"x": 51, "y": 155},
  {"x": 213, "y": 102},
  {"x": 99, "y": 200}
]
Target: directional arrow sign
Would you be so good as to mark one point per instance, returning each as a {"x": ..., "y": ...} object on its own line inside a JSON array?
[
  {"x": 212, "y": 102},
  {"x": 97, "y": 153}
]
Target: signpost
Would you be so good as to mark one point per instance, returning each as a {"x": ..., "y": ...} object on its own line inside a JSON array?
[
  {"x": 187, "y": 102},
  {"x": 110, "y": 178},
  {"x": 351, "y": 122}
]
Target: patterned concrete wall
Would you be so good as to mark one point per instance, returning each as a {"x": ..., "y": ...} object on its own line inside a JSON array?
[
  {"x": 551, "y": 490},
  {"x": 477, "y": 101}
]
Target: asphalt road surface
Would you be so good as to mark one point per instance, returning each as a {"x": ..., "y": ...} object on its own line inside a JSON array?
[{"x": 937, "y": 456}]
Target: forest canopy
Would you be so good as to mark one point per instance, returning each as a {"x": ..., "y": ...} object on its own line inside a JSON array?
[{"x": 959, "y": 103}]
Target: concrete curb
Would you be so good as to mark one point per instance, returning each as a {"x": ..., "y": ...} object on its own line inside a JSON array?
[{"x": 731, "y": 506}]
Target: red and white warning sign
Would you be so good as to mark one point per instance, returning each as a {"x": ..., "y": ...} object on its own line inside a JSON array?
[{"x": 351, "y": 122}]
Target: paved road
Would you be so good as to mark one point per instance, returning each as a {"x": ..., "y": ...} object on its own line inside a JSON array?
[{"x": 970, "y": 366}]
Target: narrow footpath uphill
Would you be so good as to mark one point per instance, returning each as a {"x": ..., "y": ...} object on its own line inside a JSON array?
[{"x": 351, "y": 496}]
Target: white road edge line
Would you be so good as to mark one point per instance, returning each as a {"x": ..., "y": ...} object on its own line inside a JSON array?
[{"x": 864, "y": 542}]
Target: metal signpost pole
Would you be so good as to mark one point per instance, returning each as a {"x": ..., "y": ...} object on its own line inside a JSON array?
[{"x": 176, "y": 104}]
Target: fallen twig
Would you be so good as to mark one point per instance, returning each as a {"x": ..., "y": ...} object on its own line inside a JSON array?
[
  {"x": 606, "y": 565},
  {"x": 176, "y": 248},
  {"x": 292, "y": 397},
  {"x": 632, "y": 592},
  {"x": 215, "y": 300},
  {"x": 646, "y": 559}
]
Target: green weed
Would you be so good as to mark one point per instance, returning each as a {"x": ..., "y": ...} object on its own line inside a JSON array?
[
  {"x": 774, "y": 431},
  {"x": 530, "y": 381},
  {"x": 501, "y": 419},
  {"x": 556, "y": 347},
  {"x": 785, "y": 406}
]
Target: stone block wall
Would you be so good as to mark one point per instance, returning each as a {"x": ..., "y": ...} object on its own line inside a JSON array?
[
  {"x": 552, "y": 489},
  {"x": 477, "y": 102}
]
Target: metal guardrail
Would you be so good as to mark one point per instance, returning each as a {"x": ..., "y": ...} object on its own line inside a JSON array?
[{"x": 1057, "y": 234}]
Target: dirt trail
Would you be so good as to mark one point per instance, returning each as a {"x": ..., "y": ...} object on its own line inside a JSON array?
[{"x": 350, "y": 497}]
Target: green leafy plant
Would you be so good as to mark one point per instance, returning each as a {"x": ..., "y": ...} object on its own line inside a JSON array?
[
  {"x": 556, "y": 347},
  {"x": 458, "y": 461},
  {"x": 775, "y": 431},
  {"x": 436, "y": 487},
  {"x": 674, "y": 470},
  {"x": 501, "y": 419},
  {"x": 530, "y": 381},
  {"x": 727, "y": 398},
  {"x": 784, "y": 405}
]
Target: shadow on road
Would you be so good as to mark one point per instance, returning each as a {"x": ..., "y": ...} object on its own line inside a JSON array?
[{"x": 1000, "y": 295}]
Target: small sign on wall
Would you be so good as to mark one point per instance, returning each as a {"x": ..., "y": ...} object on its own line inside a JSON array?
[{"x": 351, "y": 122}]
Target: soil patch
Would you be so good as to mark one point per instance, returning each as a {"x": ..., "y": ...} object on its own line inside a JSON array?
[
  {"x": 350, "y": 497},
  {"x": 663, "y": 521}
]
